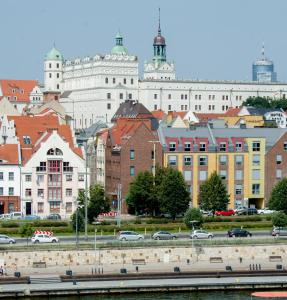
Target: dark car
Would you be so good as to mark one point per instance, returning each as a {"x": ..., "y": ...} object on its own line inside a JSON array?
[
  {"x": 238, "y": 232},
  {"x": 54, "y": 217},
  {"x": 248, "y": 211},
  {"x": 163, "y": 235}
]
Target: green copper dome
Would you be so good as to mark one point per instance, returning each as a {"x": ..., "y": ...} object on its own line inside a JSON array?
[
  {"x": 119, "y": 48},
  {"x": 54, "y": 54}
]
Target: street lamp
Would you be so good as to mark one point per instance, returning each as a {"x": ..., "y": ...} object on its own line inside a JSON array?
[
  {"x": 154, "y": 159},
  {"x": 96, "y": 245},
  {"x": 77, "y": 222}
]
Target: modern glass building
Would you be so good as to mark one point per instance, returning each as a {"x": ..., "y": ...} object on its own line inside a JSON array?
[{"x": 263, "y": 69}]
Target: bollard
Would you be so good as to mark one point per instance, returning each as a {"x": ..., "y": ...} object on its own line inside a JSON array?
[
  {"x": 250, "y": 268},
  {"x": 92, "y": 271},
  {"x": 253, "y": 267},
  {"x": 137, "y": 268},
  {"x": 256, "y": 267},
  {"x": 260, "y": 267},
  {"x": 102, "y": 270}
]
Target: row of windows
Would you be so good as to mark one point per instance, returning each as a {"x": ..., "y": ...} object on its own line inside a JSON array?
[
  {"x": 114, "y": 80},
  {"x": 197, "y": 97},
  {"x": 54, "y": 207},
  {"x": 196, "y": 107},
  {"x": 56, "y": 192},
  {"x": 10, "y": 191},
  {"x": 57, "y": 66},
  {"x": 10, "y": 176},
  {"x": 121, "y": 96}
]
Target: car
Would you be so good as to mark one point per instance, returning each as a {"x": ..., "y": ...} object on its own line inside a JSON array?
[
  {"x": 279, "y": 231},
  {"x": 238, "y": 232},
  {"x": 201, "y": 234},
  {"x": 32, "y": 217},
  {"x": 247, "y": 211},
  {"x": 130, "y": 236},
  {"x": 5, "y": 217},
  {"x": 17, "y": 215},
  {"x": 205, "y": 212},
  {"x": 225, "y": 213},
  {"x": 54, "y": 217},
  {"x": 163, "y": 235},
  {"x": 43, "y": 238},
  {"x": 5, "y": 239},
  {"x": 265, "y": 211}
]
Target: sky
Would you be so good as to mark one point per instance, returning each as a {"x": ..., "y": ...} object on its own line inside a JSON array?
[{"x": 206, "y": 39}]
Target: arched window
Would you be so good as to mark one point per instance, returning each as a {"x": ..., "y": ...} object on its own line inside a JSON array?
[{"x": 54, "y": 151}]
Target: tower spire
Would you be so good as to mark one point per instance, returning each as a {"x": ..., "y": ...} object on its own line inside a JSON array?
[
  {"x": 159, "y": 29},
  {"x": 263, "y": 50}
]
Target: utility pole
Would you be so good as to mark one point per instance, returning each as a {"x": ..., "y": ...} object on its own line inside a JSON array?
[
  {"x": 86, "y": 192},
  {"x": 119, "y": 208}
]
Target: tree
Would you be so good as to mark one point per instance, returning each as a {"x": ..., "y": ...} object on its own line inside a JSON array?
[
  {"x": 258, "y": 102},
  {"x": 173, "y": 195},
  {"x": 98, "y": 202},
  {"x": 278, "y": 198},
  {"x": 26, "y": 231},
  {"x": 279, "y": 219},
  {"x": 193, "y": 214},
  {"x": 141, "y": 197},
  {"x": 81, "y": 220},
  {"x": 213, "y": 195}
]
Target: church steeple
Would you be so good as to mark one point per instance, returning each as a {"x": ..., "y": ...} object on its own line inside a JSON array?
[{"x": 159, "y": 46}]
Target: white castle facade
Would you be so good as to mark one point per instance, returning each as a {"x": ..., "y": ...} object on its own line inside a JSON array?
[{"x": 93, "y": 87}]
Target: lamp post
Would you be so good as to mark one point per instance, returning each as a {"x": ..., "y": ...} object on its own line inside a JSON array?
[
  {"x": 193, "y": 222},
  {"x": 86, "y": 190},
  {"x": 154, "y": 159},
  {"x": 95, "y": 245}
]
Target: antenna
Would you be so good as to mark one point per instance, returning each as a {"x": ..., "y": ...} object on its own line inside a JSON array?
[
  {"x": 263, "y": 50},
  {"x": 159, "y": 29}
]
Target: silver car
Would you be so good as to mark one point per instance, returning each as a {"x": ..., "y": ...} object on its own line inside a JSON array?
[
  {"x": 163, "y": 235},
  {"x": 130, "y": 236},
  {"x": 201, "y": 234},
  {"x": 5, "y": 239}
]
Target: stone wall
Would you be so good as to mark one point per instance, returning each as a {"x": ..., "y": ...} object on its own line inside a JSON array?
[{"x": 168, "y": 255}]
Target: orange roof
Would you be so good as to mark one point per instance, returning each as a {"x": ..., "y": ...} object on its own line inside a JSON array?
[
  {"x": 9, "y": 154},
  {"x": 233, "y": 112},
  {"x": 208, "y": 116},
  {"x": 179, "y": 113},
  {"x": 159, "y": 114},
  {"x": 20, "y": 89},
  {"x": 39, "y": 128},
  {"x": 125, "y": 127}
]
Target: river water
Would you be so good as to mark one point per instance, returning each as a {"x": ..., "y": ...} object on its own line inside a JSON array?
[{"x": 239, "y": 295}]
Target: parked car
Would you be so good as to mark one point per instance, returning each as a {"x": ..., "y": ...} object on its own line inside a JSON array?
[
  {"x": 206, "y": 213},
  {"x": 130, "y": 236},
  {"x": 265, "y": 211},
  {"x": 5, "y": 217},
  {"x": 201, "y": 234},
  {"x": 32, "y": 217},
  {"x": 238, "y": 232},
  {"x": 279, "y": 231},
  {"x": 225, "y": 213},
  {"x": 44, "y": 238},
  {"x": 17, "y": 215},
  {"x": 248, "y": 211},
  {"x": 54, "y": 217},
  {"x": 163, "y": 235},
  {"x": 5, "y": 239}
]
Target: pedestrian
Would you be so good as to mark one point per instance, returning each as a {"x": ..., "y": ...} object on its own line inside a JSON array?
[
  {"x": 4, "y": 270},
  {"x": 1, "y": 271}
]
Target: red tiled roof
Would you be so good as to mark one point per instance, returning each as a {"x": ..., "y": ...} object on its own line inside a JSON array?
[
  {"x": 181, "y": 114},
  {"x": 125, "y": 127},
  {"x": 39, "y": 128},
  {"x": 208, "y": 116},
  {"x": 9, "y": 154},
  {"x": 18, "y": 88},
  {"x": 158, "y": 114},
  {"x": 233, "y": 112}
]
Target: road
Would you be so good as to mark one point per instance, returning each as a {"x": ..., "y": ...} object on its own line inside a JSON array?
[{"x": 106, "y": 238}]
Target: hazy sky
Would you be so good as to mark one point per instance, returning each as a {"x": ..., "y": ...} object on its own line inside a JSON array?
[{"x": 207, "y": 39}]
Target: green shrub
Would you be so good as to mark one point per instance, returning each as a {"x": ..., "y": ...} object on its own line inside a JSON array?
[
  {"x": 10, "y": 224},
  {"x": 48, "y": 223}
]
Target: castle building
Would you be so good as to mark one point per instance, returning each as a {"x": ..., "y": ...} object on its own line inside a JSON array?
[{"x": 92, "y": 88}]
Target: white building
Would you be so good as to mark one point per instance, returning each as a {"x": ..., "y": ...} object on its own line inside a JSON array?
[
  {"x": 93, "y": 87},
  {"x": 10, "y": 170},
  {"x": 51, "y": 169}
]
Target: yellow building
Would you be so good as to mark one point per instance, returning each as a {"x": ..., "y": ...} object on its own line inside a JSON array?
[{"x": 237, "y": 156}]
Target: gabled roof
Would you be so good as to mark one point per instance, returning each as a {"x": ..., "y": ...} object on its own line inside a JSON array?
[
  {"x": 20, "y": 89},
  {"x": 208, "y": 116},
  {"x": 31, "y": 130},
  {"x": 233, "y": 112},
  {"x": 255, "y": 111},
  {"x": 9, "y": 154},
  {"x": 158, "y": 114},
  {"x": 132, "y": 109}
]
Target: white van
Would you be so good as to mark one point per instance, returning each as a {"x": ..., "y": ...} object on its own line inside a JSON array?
[
  {"x": 5, "y": 217},
  {"x": 17, "y": 215}
]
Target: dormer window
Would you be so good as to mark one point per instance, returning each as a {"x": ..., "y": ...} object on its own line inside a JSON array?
[
  {"x": 202, "y": 146},
  {"x": 238, "y": 146},
  {"x": 187, "y": 146},
  {"x": 172, "y": 146},
  {"x": 222, "y": 147},
  {"x": 26, "y": 139},
  {"x": 54, "y": 151}
]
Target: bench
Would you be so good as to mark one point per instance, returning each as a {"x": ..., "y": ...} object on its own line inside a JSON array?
[
  {"x": 138, "y": 261},
  {"x": 39, "y": 264},
  {"x": 215, "y": 259},
  {"x": 275, "y": 258}
]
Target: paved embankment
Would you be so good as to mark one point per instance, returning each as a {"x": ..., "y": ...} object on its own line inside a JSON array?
[{"x": 142, "y": 285}]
